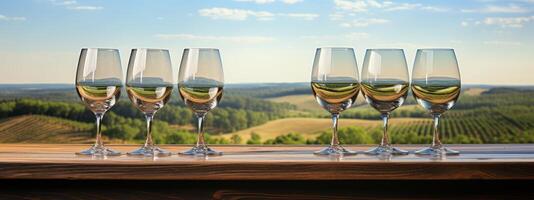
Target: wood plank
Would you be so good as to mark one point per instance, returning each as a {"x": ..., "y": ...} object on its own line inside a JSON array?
[
  {"x": 57, "y": 161},
  {"x": 98, "y": 189}
]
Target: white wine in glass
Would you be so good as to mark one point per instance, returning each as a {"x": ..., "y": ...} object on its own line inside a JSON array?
[
  {"x": 149, "y": 85},
  {"x": 200, "y": 83},
  {"x": 335, "y": 85},
  {"x": 385, "y": 82},
  {"x": 436, "y": 87},
  {"x": 199, "y": 97},
  {"x": 98, "y": 83},
  {"x": 149, "y": 99}
]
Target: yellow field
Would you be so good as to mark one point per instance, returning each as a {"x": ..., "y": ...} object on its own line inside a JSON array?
[
  {"x": 475, "y": 91},
  {"x": 308, "y": 127},
  {"x": 304, "y": 101}
]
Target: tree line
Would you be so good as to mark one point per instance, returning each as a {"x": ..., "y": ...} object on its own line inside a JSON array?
[{"x": 126, "y": 122}]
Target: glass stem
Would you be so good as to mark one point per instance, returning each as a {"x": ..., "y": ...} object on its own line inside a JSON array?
[
  {"x": 436, "y": 142},
  {"x": 385, "y": 136},
  {"x": 98, "y": 141},
  {"x": 335, "y": 139},
  {"x": 200, "y": 130},
  {"x": 149, "y": 142}
]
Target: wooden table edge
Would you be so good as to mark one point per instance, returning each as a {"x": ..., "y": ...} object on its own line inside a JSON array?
[{"x": 270, "y": 171}]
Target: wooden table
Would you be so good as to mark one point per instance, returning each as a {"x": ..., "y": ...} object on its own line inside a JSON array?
[{"x": 261, "y": 169}]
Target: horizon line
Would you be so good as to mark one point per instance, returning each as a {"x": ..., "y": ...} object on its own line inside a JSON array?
[{"x": 251, "y": 83}]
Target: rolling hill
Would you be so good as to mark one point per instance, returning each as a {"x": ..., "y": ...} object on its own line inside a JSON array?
[
  {"x": 44, "y": 129},
  {"x": 302, "y": 101},
  {"x": 306, "y": 102},
  {"x": 308, "y": 127}
]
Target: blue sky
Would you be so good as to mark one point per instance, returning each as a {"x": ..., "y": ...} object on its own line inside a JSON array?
[{"x": 266, "y": 40}]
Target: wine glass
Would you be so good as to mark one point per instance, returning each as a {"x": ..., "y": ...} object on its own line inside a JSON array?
[
  {"x": 385, "y": 82},
  {"x": 335, "y": 85},
  {"x": 436, "y": 86},
  {"x": 149, "y": 85},
  {"x": 200, "y": 83},
  {"x": 98, "y": 83}
]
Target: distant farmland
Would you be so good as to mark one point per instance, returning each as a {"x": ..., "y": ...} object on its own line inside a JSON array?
[
  {"x": 483, "y": 114},
  {"x": 309, "y": 127},
  {"x": 43, "y": 129}
]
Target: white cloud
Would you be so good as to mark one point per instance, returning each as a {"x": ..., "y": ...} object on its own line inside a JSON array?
[
  {"x": 403, "y": 6},
  {"x": 508, "y": 22},
  {"x": 303, "y": 16},
  {"x": 74, "y": 5},
  {"x": 262, "y": 15},
  {"x": 354, "y": 6},
  {"x": 377, "y": 4},
  {"x": 511, "y": 8},
  {"x": 464, "y": 24},
  {"x": 234, "y": 39},
  {"x": 240, "y": 14},
  {"x": 365, "y": 5},
  {"x": 6, "y": 18},
  {"x": 234, "y": 14},
  {"x": 291, "y": 1},
  {"x": 502, "y": 43},
  {"x": 336, "y": 16},
  {"x": 63, "y": 3},
  {"x": 435, "y": 9},
  {"x": 86, "y": 8},
  {"x": 271, "y": 1},
  {"x": 363, "y": 22}
]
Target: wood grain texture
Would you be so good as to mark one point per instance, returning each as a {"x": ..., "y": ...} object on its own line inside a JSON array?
[
  {"x": 244, "y": 190},
  {"x": 49, "y": 161}
]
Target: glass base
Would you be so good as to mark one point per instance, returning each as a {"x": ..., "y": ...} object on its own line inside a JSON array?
[
  {"x": 335, "y": 150},
  {"x": 437, "y": 151},
  {"x": 201, "y": 151},
  {"x": 99, "y": 151},
  {"x": 153, "y": 151},
  {"x": 386, "y": 150}
]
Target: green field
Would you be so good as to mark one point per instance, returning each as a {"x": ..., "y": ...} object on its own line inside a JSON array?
[{"x": 275, "y": 116}]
